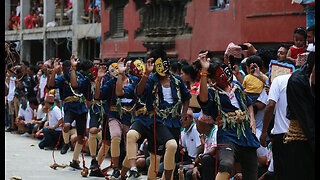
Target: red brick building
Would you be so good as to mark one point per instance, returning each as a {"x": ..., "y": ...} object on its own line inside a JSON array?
[{"x": 130, "y": 28}]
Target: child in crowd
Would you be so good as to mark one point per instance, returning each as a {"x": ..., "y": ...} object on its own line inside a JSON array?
[
  {"x": 299, "y": 47},
  {"x": 252, "y": 84}
]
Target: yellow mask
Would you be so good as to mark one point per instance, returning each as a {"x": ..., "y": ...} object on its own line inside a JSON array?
[
  {"x": 161, "y": 67},
  {"x": 138, "y": 68},
  {"x": 113, "y": 70}
]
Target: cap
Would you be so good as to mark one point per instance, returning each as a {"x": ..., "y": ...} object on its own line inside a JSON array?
[
  {"x": 206, "y": 119},
  {"x": 234, "y": 50}
]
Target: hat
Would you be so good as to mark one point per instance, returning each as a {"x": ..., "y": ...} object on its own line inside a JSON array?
[
  {"x": 206, "y": 119},
  {"x": 49, "y": 98},
  {"x": 234, "y": 50},
  {"x": 52, "y": 92},
  {"x": 302, "y": 58}
]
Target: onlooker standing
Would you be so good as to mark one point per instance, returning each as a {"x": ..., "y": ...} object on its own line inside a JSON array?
[
  {"x": 282, "y": 51},
  {"x": 25, "y": 84},
  {"x": 28, "y": 20},
  {"x": 18, "y": 9},
  {"x": 301, "y": 133},
  {"x": 310, "y": 34},
  {"x": 43, "y": 78},
  {"x": 10, "y": 97},
  {"x": 14, "y": 21},
  {"x": 277, "y": 102}
]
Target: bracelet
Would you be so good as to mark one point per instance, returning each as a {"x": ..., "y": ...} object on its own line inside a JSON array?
[
  {"x": 145, "y": 75},
  {"x": 73, "y": 67},
  {"x": 204, "y": 74}
]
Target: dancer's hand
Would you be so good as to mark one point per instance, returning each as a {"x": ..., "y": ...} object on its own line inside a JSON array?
[
  {"x": 121, "y": 67},
  {"x": 102, "y": 71},
  {"x": 204, "y": 61},
  {"x": 74, "y": 61},
  {"x": 149, "y": 66},
  {"x": 56, "y": 64}
]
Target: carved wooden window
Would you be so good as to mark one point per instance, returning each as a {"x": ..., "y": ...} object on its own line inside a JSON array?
[{"x": 116, "y": 22}]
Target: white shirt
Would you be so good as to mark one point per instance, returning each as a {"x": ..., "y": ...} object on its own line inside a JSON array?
[
  {"x": 270, "y": 158},
  {"x": 40, "y": 113},
  {"x": 12, "y": 87},
  {"x": 211, "y": 140},
  {"x": 232, "y": 97},
  {"x": 18, "y": 10},
  {"x": 263, "y": 98},
  {"x": 26, "y": 113},
  {"x": 191, "y": 141},
  {"x": 42, "y": 85},
  {"x": 54, "y": 116},
  {"x": 234, "y": 100},
  {"x": 88, "y": 120},
  {"x": 167, "y": 95},
  {"x": 278, "y": 94}
]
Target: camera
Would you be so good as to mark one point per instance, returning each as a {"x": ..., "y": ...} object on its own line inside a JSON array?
[
  {"x": 253, "y": 69},
  {"x": 243, "y": 47}
]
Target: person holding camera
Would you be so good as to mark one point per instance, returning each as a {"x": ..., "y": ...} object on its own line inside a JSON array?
[
  {"x": 233, "y": 57},
  {"x": 252, "y": 82}
]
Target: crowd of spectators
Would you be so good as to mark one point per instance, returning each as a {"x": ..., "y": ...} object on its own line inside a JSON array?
[
  {"x": 36, "y": 15},
  {"x": 28, "y": 101}
]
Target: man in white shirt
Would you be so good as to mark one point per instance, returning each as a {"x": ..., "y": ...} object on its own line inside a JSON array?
[
  {"x": 25, "y": 114},
  {"x": 11, "y": 81},
  {"x": 52, "y": 127},
  {"x": 204, "y": 167},
  {"x": 190, "y": 138},
  {"x": 277, "y": 102}
]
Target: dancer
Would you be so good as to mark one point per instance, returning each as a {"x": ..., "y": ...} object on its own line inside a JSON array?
[
  {"x": 231, "y": 109},
  {"x": 166, "y": 96},
  {"x": 73, "y": 87}
]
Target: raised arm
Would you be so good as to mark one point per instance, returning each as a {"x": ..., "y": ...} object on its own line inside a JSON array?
[
  {"x": 203, "y": 95},
  {"x": 51, "y": 76},
  {"x": 73, "y": 75},
  {"x": 101, "y": 73},
  {"x": 256, "y": 72},
  {"x": 119, "y": 85},
  {"x": 141, "y": 85}
]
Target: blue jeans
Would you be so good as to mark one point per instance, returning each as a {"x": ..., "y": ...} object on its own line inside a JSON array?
[{"x": 50, "y": 138}]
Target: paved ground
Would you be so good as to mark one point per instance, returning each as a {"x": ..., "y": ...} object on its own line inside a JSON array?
[{"x": 23, "y": 158}]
